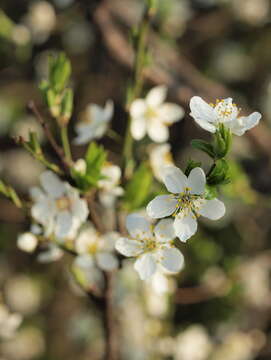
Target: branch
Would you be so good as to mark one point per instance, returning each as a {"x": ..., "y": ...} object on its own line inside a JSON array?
[{"x": 58, "y": 150}]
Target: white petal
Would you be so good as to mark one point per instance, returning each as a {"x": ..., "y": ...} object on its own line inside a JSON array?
[
  {"x": 108, "y": 110},
  {"x": 138, "y": 108},
  {"x": 84, "y": 261},
  {"x": 170, "y": 113},
  {"x": 185, "y": 227},
  {"x": 36, "y": 194},
  {"x": 43, "y": 211},
  {"x": 240, "y": 125},
  {"x": 52, "y": 184},
  {"x": 53, "y": 253},
  {"x": 161, "y": 206},
  {"x": 171, "y": 259},
  {"x": 27, "y": 242},
  {"x": 85, "y": 134},
  {"x": 157, "y": 131},
  {"x": 138, "y": 127},
  {"x": 138, "y": 226},
  {"x": 80, "y": 209},
  {"x": 164, "y": 230},
  {"x": 197, "y": 181},
  {"x": 66, "y": 225},
  {"x": 156, "y": 96},
  {"x": 110, "y": 240},
  {"x": 128, "y": 247},
  {"x": 145, "y": 265},
  {"x": 106, "y": 261},
  {"x": 174, "y": 179},
  {"x": 202, "y": 113},
  {"x": 213, "y": 209}
]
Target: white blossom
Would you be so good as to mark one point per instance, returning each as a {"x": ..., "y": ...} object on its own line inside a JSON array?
[
  {"x": 95, "y": 121},
  {"x": 9, "y": 322},
  {"x": 186, "y": 203},
  {"x": 153, "y": 115},
  {"x": 95, "y": 249},
  {"x": 58, "y": 207},
  {"x": 27, "y": 242},
  {"x": 160, "y": 156},
  {"x": 51, "y": 254},
  {"x": 209, "y": 116},
  {"x": 153, "y": 246},
  {"x": 109, "y": 185}
]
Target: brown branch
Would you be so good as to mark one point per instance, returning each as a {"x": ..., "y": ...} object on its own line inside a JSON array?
[
  {"x": 58, "y": 150},
  {"x": 194, "y": 295}
]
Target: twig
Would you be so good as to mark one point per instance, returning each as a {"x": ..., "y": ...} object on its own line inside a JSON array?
[{"x": 58, "y": 150}]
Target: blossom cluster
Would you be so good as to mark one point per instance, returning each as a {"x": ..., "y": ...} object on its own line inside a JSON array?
[{"x": 60, "y": 211}]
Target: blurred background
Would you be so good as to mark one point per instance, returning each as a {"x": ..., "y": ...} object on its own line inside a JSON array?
[{"x": 219, "y": 307}]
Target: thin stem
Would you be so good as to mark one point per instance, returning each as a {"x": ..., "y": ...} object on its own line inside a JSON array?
[
  {"x": 32, "y": 106},
  {"x": 139, "y": 63},
  {"x": 66, "y": 143}
]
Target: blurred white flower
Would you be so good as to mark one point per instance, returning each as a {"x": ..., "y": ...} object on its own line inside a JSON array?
[
  {"x": 94, "y": 122},
  {"x": 109, "y": 186},
  {"x": 23, "y": 294},
  {"x": 80, "y": 166},
  {"x": 153, "y": 247},
  {"x": 21, "y": 35},
  {"x": 186, "y": 203},
  {"x": 254, "y": 12},
  {"x": 29, "y": 343},
  {"x": 96, "y": 249},
  {"x": 193, "y": 344},
  {"x": 51, "y": 254},
  {"x": 153, "y": 115},
  {"x": 41, "y": 20},
  {"x": 27, "y": 242},
  {"x": 160, "y": 156},
  {"x": 58, "y": 207},
  {"x": 209, "y": 116},
  {"x": 9, "y": 322}
]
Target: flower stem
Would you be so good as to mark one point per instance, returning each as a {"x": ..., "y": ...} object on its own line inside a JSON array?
[
  {"x": 137, "y": 83},
  {"x": 65, "y": 143}
]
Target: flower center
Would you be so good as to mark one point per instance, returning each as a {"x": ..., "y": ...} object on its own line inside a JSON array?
[
  {"x": 63, "y": 203},
  {"x": 93, "y": 247},
  {"x": 225, "y": 110},
  {"x": 188, "y": 204},
  {"x": 151, "y": 113}
]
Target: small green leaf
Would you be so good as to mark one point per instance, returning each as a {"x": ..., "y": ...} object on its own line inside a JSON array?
[
  {"x": 219, "y": 173},
  {"x": 138, "y": 188},
  {"x": 203, "y": 146},
  {"x": 59, "y": 71},
  {"x": 191, "y": 165},
  {"x": 222, "y": 141},
  {"x": 210, "y": 192},
  {"x": 66, "y": 107}
]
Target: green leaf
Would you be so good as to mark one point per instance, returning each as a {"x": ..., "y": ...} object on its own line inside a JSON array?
[
  {"x": 203, "y": 146},
  {"x": 222, "y": 141},
  {"x": 10, "y": 193},
  {"x": 219, "y": 173},
  {"x": 138, "y": 188},
  {"x": 95, "y": 159},
  {"x": 191, "y": 165},
  {"x": 210, "y": 192},
  {"x": 59, "y": 71},
  {"x": 66, "y": 107}
]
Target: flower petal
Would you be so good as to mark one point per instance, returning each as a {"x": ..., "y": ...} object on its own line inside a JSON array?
[
  {"x": 164, "y": 230},
  {"x": 52, "y": 184},
  {"x": 174, "y": 179},
  {"x": 185, "y": 227},
  {"x": 129, "y": 247},
  {"x": 43, "y": 211},
  {"x": 85, "y": 261},
  {"x": 157, "y": 131},
  {"x": 138, "y": 108},
  {"x": 197, "y": 181},
  {"x": 202, "y": 113},
  {"x": 170, "y": 113},
  {"x": 156, "y": 96},
  {"x": 213, "y": 209},
  {"x": 80, "y": 208},
  {"x": 66, "y": 225},
  {"x": 138, "y": 127},
  {"x": 106, "y": 261},
  {"x": 138, "y": 226},
  {"x": 161, "y": 206},
  {"x": 108, "y": 110},
  {"x": 53, "y": 253},
  {"x": 171, "y": 259},
  {"x": 240, "y": 125},
  {"x": 145, "y": 265}
]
